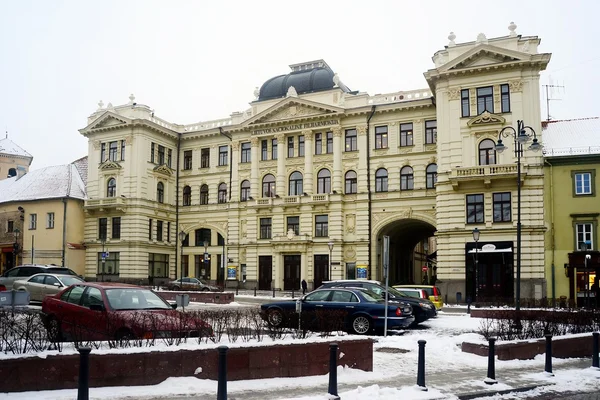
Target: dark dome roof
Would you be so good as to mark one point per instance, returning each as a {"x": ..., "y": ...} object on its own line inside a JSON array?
[{"x": 306, "y": 81}]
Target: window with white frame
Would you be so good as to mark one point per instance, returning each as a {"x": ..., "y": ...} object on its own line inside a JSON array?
[
  {"x": 583, "y": 183},
  {"x": 50, "y": 220},
  {"x": 584, "y": 236},
  {"x": 32, "y": 221}
]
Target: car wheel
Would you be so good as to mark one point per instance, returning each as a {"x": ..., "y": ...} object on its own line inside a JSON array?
[
  {"x": 175, "y": 288},
  {"x": 205, "y": 289},
  {"x": 361, "y": 325},
  {"x": 275, "y": 317},
  {"x": 53, "y": 330},
  {"x": 124, "y": 334}
]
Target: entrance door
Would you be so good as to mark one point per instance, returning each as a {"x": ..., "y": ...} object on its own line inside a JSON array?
[
  {"x": 321, "y": 269},
  {"x": 265, "y": 272},
  {"x": 291, "y": 272}
]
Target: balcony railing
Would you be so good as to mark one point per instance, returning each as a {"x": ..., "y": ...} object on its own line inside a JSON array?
[
  {"x": 487, "y": 173},
  {"x": 105, "y": 202}
]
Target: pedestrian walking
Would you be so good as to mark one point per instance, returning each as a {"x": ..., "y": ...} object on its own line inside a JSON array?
[{"x": 304, "y": 286}]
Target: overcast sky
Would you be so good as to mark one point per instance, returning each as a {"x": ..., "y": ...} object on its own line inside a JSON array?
[{"x": 199, "y": 60}]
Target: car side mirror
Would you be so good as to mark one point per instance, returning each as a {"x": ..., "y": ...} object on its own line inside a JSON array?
[
  {"x": 57, "y": 284},
  {"x": 97, "y": 307},
  {"x": 174, "y": 306}
]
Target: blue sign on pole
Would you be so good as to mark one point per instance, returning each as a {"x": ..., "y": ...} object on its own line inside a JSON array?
[{"x": 205, "y": 256}]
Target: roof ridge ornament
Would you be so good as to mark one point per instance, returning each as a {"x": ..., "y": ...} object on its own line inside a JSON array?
[
  {"x": 131, "y": 99},
  {"x": 482, "y": 39},
  {"x": 291, "y": 92},
  {"x": 512, "y": 27},
  {"x": 451, "y": 38},
  {"x": 100, "y": 105}
]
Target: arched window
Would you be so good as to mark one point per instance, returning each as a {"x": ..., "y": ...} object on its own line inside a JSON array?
[
  {"x": 268, "y": 186},
  {"x": 222, "y": 193},
  {"x": 324, "y": 181},
  {"x": 431, "y": 172},
  {"x": 245, "y": 190},
  {"x": 204, "y": 194},
  {"x": 111, "y": 188},
  {"x": 295, "y": 184},
  {"x": 12, "y": 172},
  {"x": 487, "y": 152},
  {"x": 407, "y": 180},
  {"x": 187, "y": 196},
  {"x": 381, "y": 180},
  {"x": 351, "y": 182},
  {"x": 160, "y": 192}
]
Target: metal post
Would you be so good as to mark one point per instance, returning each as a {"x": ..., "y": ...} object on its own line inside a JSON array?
[
  {"x": 273, "y": 284},
  {"x": 548, "y": 366},
  {"x": 292, "y": 293},
  {"x": 587, "y": 281},
  {"x": 333, "y": 350},
  {"x": 32, "y": 248},
  {"x": 222, "y": 384},
  {"x": 254, "y": 291},
  {"x": 595, "y": 358},
  {"x": 421, "y": 366},
  {"x": 83, "y": 389},
  {"x": 386, "y": 267},
  {"x": 491, "y": 375},
  {"x": 519, "y": 147}
]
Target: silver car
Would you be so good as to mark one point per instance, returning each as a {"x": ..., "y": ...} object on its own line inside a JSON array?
[{"x": 41, "y": 285}]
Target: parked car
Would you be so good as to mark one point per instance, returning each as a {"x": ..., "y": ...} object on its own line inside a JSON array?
[
  {"x": 105, "y": 310},
  {"x": 434, "y": 293},
  {"x": 416, "y": 293},
  {"x": 423, "y": 309},
  {"x": 191, "y": 284},
  {"x": 40, "y": 285},
  {"x": 361, "y": 313},
  {"x": 25, "y": 271}
]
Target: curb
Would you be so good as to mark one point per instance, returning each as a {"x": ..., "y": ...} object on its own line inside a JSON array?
[{"x": 476, "y": 395}]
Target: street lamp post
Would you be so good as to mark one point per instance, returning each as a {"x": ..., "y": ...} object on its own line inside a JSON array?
[
  {"x": 103, "y": 241},
  {"x": 205, "y": 258},
  {"x": 521, "y": 136},
  {"x": 476, "y": 239},
  {"x": 330, "y": 244},
  {"x": 182, "y": 236},
  {"x": 16, "y": 247}
]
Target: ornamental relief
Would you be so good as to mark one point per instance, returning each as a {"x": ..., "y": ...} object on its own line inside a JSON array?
[
  {"x": 516, "y": 86},
  {"x": 350, "y": 223},
  {"x": 320, "y": 158},
  {"x": 268, "y": 164},
  {"x": 362, "y": 130},
  {"x": 293, "y": 111},
  {"x": 453, "y": 94},
  {"x": 295, "y": 161},
  {"x": 97, "y": 144},
  {"x": 235, "y": 145},
  {"x": 487, "y": 135},
  {"x": 430, "y": 147},
  {"x": 486, "y": 118},
  {"x": 244, "y": 166},
  {"x": 405, "y": 150},
  {"x": 254, "y": 141},
  {"x": 244, "y": 233},
  {"x": 129, "y": 140},
  {"x": 350, "y": 155},
  {"x": 289, "y": 170},
  {"x": 350, "y": 254}
]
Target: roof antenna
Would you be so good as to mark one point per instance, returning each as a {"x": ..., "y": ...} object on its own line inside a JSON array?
[{"x": 549, "y": 94}]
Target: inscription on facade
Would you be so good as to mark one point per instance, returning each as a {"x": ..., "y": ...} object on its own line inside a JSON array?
[{"x": 297, "y": 127}]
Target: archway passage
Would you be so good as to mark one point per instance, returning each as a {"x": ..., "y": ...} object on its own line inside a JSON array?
[{"x": 412, "y": 251}]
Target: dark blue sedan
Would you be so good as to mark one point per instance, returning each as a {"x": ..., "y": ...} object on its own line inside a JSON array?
[{"x": 352, "y": 310}]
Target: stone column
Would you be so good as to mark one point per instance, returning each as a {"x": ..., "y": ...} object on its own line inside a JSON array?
[
  {"x": 254, "y": 183},
  {"x": 308, "y": 162},
  {"x": 361, "y": 131},
  {"x": 337, "y": 160},
  {"x": 234, "y": 160},
  {"x": 281, "y": 189}
]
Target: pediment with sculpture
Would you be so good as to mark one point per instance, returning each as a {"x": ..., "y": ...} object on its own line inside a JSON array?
[
  {"x": 486, "y": 118},
  {"x": 163, "y": 169},
  {"x": 108, "y": 165}
]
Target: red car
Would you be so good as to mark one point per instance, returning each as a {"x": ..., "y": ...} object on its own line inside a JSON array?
[{"x": 115, "y": 311}]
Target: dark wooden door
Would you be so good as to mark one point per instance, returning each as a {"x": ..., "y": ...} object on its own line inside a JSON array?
[
  {"x": 291, "y": 272},
  {"x": 265, "y": 272},
  {"x": 321, "y": 269}
]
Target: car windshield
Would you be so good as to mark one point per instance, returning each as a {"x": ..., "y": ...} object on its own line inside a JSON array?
[
  {"x": 371, "y": 297},
  {"x": 70, "y": 280},
  {"x": 135, "y": 299}
]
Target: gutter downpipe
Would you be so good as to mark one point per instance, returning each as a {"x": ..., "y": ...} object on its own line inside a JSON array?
[
  {"x": 177, "y": 205},
  {"x": 552, "y": 237},
  {"x": 64, "y": 232},
  {"x": 225, "y": 257},
  {"x": 369, "y": 185}
]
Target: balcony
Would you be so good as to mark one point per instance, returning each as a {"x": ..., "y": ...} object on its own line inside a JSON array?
[
  {"x": 485, "y": 174},
  {"x": 118, "y": 203}
]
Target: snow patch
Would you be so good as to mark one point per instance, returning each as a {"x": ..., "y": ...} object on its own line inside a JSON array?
[{"x": 198, "y": 371}]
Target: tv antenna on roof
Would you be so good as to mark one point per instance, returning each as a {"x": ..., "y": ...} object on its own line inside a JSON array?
[{"x": 550, "y": 88}]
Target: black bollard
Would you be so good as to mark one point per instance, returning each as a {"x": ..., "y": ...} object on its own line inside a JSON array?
[
  {"x": 273, "y": 291},
  {"x": 595, "y": 361},
  {"x": 548, "y": 367},
  {"x": 83, "y": 391},
  {"x": 333, "y": 350},
  {"x": 292, "y": 293},
  {"x": 237, "y": 290},
  {"x": 491, "y": 375},
  {"x": 222, "y": 385},
  {"x": 254, "y": 291},
  {"x": 421, "y": 366}
]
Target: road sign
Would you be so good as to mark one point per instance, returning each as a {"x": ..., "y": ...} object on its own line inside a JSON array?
[{"x": 424, "y": 269}]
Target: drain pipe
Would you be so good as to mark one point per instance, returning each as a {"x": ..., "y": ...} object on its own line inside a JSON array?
[
  {"x": 369, "y": 185},
  {"x": 552, "y": 238},
  {"x": 228, "y": 136},
  {"x": 177, "y": 204}
]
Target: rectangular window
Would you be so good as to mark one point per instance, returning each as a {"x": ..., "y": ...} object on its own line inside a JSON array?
[
  {"x": 112, "y": 151},
  {"x": 583, "y": 183},
  {"x": 122, "y": 150},
  {"x": 502, "y": 207},
  {"x": 464, "y": 103},
  {"x": 116, "y": 228},
  {"x": 505, "y": 98},
  {"x": 584, "y": 236},
  {"x": 158, "y": 265},
  {"x": 110, "y": 266},
  {"x": 150, "y": 229},
  {"x": 220, "y": 240},
  {"x": 264, "y": 150},
  {"x": 152, "y": 151},
  {"x": 33, "y": 221},
  {"x": 102, "y": 228},
  {"x": 205, "y": 158},
  {"x": 169, "y": 157},
  {"x": 161, "y": 154},
  {"x": 301, "y": 146},
  {"x": 381, "y": 137},
  {"x": 50, "y": 220},
  {"x": 485, "y": 99},
  {"x": 293, "y": 223},
  {"x": 321, "y": 226},
  {"x": 406, "y": 134},
  {"x": 202, "y": 235},
  {"x": 223, "y": 155},
  {"x": 169, "y": 231},
  {"x": 351, "y": 142},
  {"x": 159, "y": 231},
  {"x": 103, "y": 152},
  {"x": 318, "y": 143},
  {"x": 265, "y": 228},
  {"x": 290, "y": 147},
  {"x": 431, "y": 132},
  {"x": 474, "y": 208},
  {"x": 245, "y": 152},
  {"x": 329, "y": 142},
  {"x": 273, "y": 149},
  {"x": 187, "y": 160},
  {"x": 10, "y": 226}
]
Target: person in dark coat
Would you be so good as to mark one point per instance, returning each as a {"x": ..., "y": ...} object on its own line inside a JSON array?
[{"x": 304, "y": 287}]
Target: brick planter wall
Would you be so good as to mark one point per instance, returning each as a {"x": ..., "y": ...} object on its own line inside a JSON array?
[
  {"x": 200, "y": 297},
  {"x": 293, "y": 360},
  {"x": 525, "y": 350}
]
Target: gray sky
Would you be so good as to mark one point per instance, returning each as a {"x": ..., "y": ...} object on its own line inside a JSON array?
[{"x": 201, "y": 60}]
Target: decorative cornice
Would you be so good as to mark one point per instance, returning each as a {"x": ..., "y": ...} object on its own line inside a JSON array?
[
  {"x": 163, "y": 169},
  {"x": 108, "y": 165},
  {"x": 486, "y": 118}
]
